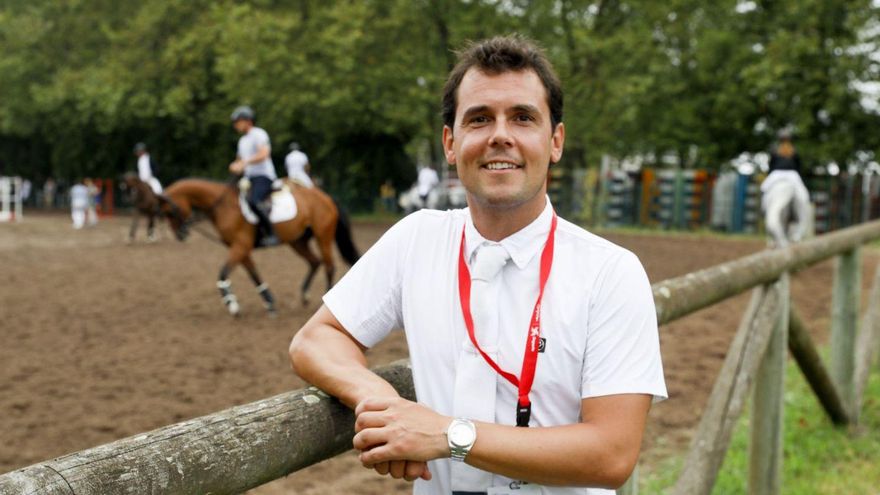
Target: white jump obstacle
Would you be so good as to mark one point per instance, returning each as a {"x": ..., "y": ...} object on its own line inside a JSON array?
[{"x": 10, "y": 199}]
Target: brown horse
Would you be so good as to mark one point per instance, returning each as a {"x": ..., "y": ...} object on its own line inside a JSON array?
[
  {"x": 317, "y": 215},
  {"x": 145, "y": 203}
]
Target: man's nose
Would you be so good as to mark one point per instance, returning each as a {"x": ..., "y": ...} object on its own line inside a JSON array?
[{"x": 501, "y": 135}]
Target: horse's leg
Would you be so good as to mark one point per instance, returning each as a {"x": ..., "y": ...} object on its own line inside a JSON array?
[
  {"x": 236, "y": 255},
  {"x": 774, "y": 221},
  {"x": 133, "y": 229},
  {"x": 262, "y": 287},
  {"x": 325, "y": 244},
  {"x": 301, "y": 246},
  {"x": 151, "y": 223}
]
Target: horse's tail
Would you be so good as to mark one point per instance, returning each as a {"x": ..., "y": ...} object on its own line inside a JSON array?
[{"x": 344, "y": 240}]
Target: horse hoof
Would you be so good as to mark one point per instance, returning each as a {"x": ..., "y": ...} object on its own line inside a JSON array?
[
  {"x": 234, "y": 309},
  {"x": 272, "y": 314}
]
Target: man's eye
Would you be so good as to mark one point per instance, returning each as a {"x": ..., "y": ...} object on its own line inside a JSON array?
[
  {"x": 479, "y": 119},
  {"x": 524, "y": 117}
]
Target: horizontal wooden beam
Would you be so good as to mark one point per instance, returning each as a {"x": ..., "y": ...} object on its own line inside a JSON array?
[
  {"x": 683, "y": 295},
  {"x": 223, "y": 453}
]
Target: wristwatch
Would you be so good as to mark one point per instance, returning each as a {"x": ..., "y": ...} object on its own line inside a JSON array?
[{"x": 461, "y": 434}]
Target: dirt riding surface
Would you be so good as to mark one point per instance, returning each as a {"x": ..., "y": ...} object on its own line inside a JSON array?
[{"x": 103, "y": 340}]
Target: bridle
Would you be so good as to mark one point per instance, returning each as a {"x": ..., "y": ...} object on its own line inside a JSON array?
[{"x": 190, "y": 222}]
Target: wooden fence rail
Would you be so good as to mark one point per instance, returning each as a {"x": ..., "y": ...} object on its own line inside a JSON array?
[{"x": 243, "y": 447}]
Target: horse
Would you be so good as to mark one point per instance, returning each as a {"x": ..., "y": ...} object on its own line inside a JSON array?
[
  {"x": 145, "y": 203},
  {"x": 317, "y": 216},
  {"x": 787, "y": 210}
]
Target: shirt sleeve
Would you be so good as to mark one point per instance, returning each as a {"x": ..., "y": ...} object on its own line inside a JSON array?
[
  {"x": 367, "y": 300},
  {"x": 623, "y": 346},
  {"x": 261, "y": 138}
]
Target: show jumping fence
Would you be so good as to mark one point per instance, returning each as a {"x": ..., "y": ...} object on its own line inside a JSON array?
[
  {"x": 11, "y": 199},
  {"x": 249, "y": 445}
]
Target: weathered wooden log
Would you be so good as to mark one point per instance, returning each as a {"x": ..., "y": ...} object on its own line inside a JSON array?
[
  {"x": 765, "y": 445},
  {"x": 845, "y": 298},
  {"x": 807, "y": 357},
  {"x": 683, "y": 295},
  {"x": 223, "y": 453},
  {"x": 729, "y": 394},
  {"x": 867, "y": 345}
]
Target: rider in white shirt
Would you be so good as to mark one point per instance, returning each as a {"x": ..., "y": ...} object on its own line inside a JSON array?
[
  {"x": 254, "y": 161},
  {"x": 297, "y": 164},
  {"x": 426, "y": 182},
  {"x": 145, "y": 168}
]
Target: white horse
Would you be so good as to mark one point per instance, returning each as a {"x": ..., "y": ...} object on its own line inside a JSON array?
[{"x": 786, "y": 204}]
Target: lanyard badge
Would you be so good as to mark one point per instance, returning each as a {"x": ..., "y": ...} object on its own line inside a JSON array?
[{"x": 533, "y": 336}]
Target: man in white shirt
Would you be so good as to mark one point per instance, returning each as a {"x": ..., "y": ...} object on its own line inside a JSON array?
[
  {"x": 425, "y": 183},
  {"x": 145, "y": 168},
  {"x": 254, "y": 160},
  {"x": 569, "y": 350},
  {"x": 297, "y": 164},
  {"x": 79, "y": 204}
]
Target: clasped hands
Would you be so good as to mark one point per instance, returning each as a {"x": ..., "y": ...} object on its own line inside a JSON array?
[{"x": 397, "y": 437}]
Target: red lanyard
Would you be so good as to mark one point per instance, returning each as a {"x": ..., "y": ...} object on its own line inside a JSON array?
[{"x": 533, "y": 339}]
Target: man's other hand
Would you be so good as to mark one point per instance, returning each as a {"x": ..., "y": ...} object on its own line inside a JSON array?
[{"x": 396, "y": 436}]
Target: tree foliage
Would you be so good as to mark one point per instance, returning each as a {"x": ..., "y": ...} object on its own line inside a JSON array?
[{"x": 357, "y": 83}]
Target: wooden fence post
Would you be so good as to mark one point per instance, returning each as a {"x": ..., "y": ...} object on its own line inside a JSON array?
[
  {"x": 844, "y": 313},
  {"x": 765, "y": 448},
  {"x": 729, "y": 394},
  {"x": 868, "y": 345},
  {"x": 810, "y": 363}
]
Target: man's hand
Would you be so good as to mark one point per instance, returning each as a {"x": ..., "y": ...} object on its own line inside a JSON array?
[
  {"x": 237, "y": 167},
  {"x": 397, "y": 437}
]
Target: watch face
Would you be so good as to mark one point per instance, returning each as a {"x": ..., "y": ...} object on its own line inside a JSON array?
[{"x": 461, "y": 434}]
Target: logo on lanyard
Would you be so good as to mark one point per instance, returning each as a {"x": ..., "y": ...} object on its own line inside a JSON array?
[{"x": 534, "y": 342}]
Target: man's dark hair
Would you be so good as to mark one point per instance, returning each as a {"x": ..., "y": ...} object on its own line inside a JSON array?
[{"x": 499, "y": 55}]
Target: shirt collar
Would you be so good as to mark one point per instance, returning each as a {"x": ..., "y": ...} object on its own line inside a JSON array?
[{"x": 522, "y": 245}]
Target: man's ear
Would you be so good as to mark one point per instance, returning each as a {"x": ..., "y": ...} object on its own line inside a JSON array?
[
  {"x": 557, "y": 141},
  {"x": 448, "y": 142}
]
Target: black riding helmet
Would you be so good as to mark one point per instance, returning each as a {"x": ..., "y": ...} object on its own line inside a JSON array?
[{"x": 243, "y": 112}]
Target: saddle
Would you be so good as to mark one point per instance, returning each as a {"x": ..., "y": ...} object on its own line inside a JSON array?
[{"x": 281, "y": 205}]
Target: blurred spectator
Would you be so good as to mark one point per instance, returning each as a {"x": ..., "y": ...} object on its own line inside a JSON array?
[
  {"x": 387, "y": 193},
  {"x": 94, "y": 198},
  {"x": 79, "y": 204},
  {"x": 25, "y": 190},
  {"x": 49, "y": 188}
]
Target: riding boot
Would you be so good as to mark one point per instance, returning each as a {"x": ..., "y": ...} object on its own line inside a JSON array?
[{"x": 267, "y": 233}]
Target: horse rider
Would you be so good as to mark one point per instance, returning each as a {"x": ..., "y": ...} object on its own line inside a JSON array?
[
  {"x": 297, "y": 164},
  {"x": 145, "y": 167},
  {"x": 426, "y": 182},
  {"x": 254, "y": 161},
  {"x": 785, "y": 167}
]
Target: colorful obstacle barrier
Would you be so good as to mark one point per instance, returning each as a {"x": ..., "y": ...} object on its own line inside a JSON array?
[{"x": 11, "y": 199}]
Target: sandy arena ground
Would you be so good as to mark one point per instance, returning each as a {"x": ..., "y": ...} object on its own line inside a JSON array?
[{"x": 102, "y": 340}]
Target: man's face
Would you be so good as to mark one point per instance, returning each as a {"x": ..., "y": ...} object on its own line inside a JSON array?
[
  {"x": 242, "y": 125},
  {"x": 502, "y": 142}
]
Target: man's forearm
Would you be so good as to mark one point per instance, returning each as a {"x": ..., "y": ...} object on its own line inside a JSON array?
[
  {"x": 328, "y": 359},
  {"x": 571, "y": 455}
]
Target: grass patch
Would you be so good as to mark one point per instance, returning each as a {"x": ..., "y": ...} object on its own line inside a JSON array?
[{"x": 819, "y": 458}]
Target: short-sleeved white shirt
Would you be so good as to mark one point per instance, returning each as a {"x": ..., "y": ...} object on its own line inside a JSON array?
[
  {"x": 296, "y": 162},
  {"x": 248, "y": 146},
  {"x": 597, "y": 315}
]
